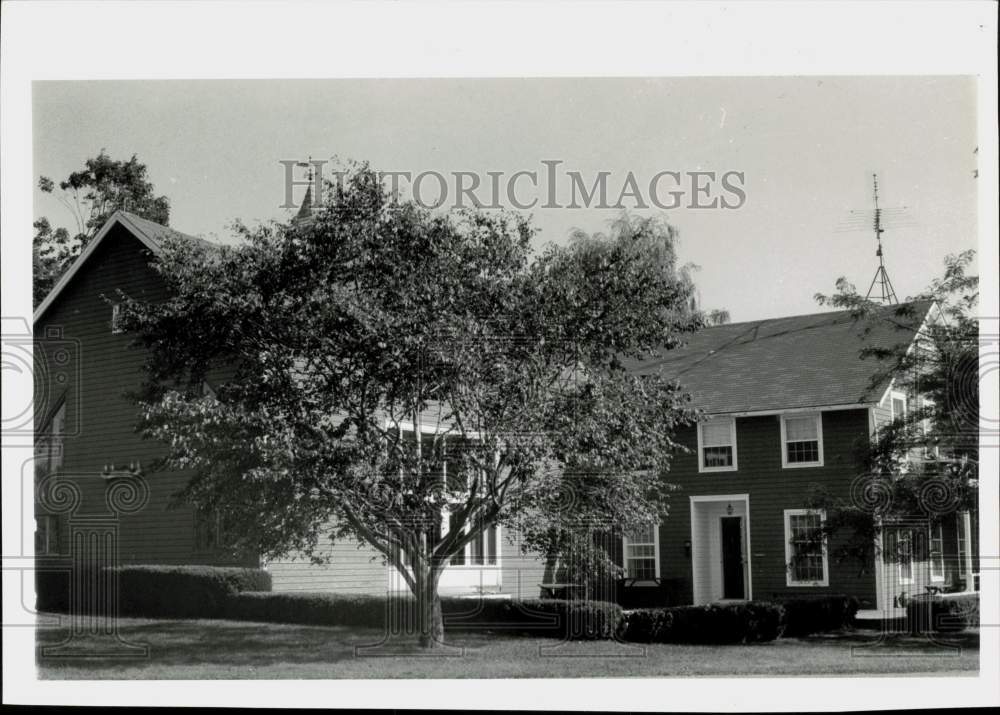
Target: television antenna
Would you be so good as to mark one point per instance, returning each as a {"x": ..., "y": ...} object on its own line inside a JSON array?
[{"x": 876, "y": 219}]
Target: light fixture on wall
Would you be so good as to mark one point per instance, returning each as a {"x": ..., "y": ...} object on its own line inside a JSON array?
[
  {"x": 687, "y": 549},
  {"x": 729, "y": 509},
  {"x": 134, "y": 470}
]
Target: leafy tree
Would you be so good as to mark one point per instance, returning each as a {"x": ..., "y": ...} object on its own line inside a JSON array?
[
  {"x": 392, "y": 371},
  {"x": 924, "y": 465},
  {"x": 91, "y": 195}
]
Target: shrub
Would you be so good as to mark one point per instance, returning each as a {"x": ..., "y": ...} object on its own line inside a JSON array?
[
  {"x": 946, "y": 613},
  {"x": 567, "y": 619},
  {"x": 748, "y": 622},
  {"x": 577, "y": 620},
  {"x": 815, "y": 614},
  {"x": 183, "y": 591}
]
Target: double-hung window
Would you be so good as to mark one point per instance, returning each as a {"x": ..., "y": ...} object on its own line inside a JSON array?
[
  {"x": 805, "y": 548},
  {"x": 483, "y": 549},
  {"x": 897, "y": 403},
  {"x": 641, "y": 548},
  {"x": 937, "y": 552},
  {"x": 717, "y": 445},
  {"x": 801, "y": 440}
]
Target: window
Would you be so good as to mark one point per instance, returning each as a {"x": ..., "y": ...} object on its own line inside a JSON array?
[
  {"x": 209, "y": 530},
  {"x": 904, "y": 555},
  {"x": 116, "y": 319},
  {"x": 641, "y": 548},
  {"x": 897, "y": 402},
  {"x": 964, "y": 558},
  {"x": 717, "y": 445},
  {"x": 47, "y": 528},
  {"x": 481, "y": 551},
  {"x": 805, "y": 550},
  {"x": 802, "y": 441},
  {"x": 49, "y": 444},
  {"x": 926, "y": 427},
  {"x": 937, "y": 552}
]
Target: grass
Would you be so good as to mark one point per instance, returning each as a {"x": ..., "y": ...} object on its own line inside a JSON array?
[{"x": 189, "y": 649}]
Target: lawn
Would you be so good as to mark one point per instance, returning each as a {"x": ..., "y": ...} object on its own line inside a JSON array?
[{"x": 188, "y": 649}]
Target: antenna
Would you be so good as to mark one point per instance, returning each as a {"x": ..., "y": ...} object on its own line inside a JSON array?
[
  {"x": 877, "y": 220},
  {"x": 887, "y": 294}
]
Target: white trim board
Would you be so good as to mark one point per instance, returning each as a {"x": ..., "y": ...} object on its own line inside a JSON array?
[
  {"x": 732, "y": 436},
  {"x": 795, "y": 410},
  {"x": 789, "y": 581},
  {"x": 695, "y": 544}
]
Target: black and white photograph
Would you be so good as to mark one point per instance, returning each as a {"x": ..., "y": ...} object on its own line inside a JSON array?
[{"x": 382, "y": 349}]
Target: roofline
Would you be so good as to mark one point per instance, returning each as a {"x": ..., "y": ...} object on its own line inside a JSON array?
[
  {"x": 759, "y": 321},
  {"x": 118, "y": 217},
  {"x": 795, "y": 410},
  {"x": 933, "y": 315}
]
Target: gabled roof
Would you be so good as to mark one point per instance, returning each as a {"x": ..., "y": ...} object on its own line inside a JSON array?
[
  {"x": 150, "y": 233},
  {"x": 798, "y": 362}
]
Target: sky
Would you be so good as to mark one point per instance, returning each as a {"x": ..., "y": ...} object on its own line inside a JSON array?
[{"x": 807, "y": 148}]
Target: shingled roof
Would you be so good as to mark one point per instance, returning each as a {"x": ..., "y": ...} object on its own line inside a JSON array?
[{"x": 801, "y": 361}]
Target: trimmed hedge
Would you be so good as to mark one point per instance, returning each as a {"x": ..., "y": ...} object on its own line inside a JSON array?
[
  {"x": 184, "y": 591},
  {"x": 814, "y": 614},
  {"x": 945, "y": 613},
  {"x": 747, "y": 622},
  {"x": 575, "y": 620}
]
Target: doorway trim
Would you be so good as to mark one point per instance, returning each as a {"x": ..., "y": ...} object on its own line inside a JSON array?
[{"x": 697, "y": 547}]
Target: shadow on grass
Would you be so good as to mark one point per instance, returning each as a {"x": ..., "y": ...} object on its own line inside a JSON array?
[
  {"x": 233, "y": 643},
  {"x": 864, "y": 637}
]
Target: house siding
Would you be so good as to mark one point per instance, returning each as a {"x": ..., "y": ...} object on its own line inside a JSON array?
[
  {"x": 100, "y": 417},
  {"x": 771, "y": 491}
]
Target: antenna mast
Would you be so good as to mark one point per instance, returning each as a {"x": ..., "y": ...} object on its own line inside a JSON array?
[{"x": 886, "y": 292}]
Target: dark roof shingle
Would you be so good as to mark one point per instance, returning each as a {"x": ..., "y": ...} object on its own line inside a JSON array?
[{"x": 800, "y": 361}]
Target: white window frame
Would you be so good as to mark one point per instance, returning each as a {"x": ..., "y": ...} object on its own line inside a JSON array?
[
  {"x": 785, "y": 464},
  {"x": 897, "y": 395},
  {"x": 467, "y": 549},
  {"x": 656, "y": 556},
  {"x": 963, "y": 544},
  {"x": 936, "y": 534},
  {"x": 701, "y": 445},
  {"x": 116, "y": 315},
  {"x": 925, "y": 429},
  {"x": 790, "y": 553}
]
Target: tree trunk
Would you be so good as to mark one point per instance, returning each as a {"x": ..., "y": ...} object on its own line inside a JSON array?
[{"x": 430, "y": 620}]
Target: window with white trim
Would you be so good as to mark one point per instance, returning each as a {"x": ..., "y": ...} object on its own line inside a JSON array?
[
  {"x": 802, "y": 440},
  {"x": 717, "y": 445},
  {"x": 116, "y": 319},
  {"x": 641, "y": 549},
  {"x": 926, "y": 425},
  {"x": 483, "y": 550},
  {"x": 937, "y": 552},
  {"x": 897, "y": 404},
  {"x": 805, "y": 548},
  {"x": 961, "y": 527}
]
